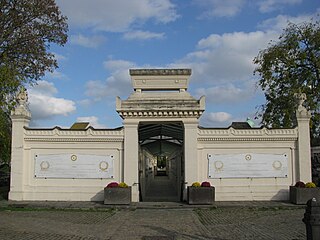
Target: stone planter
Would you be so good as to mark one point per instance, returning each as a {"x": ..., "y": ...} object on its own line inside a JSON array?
[
  {"x": 201, "y": 195},
  {"x": 302, "y": 195},
  {"x": 117, "y": 195}
]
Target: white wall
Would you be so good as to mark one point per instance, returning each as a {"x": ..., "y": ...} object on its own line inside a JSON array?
[
  {"x": 56, "y": 141},
  {"x": 262, "y": 141}
]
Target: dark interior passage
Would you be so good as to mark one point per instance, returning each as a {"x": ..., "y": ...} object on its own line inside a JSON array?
[{"x": 161, "y": 161}]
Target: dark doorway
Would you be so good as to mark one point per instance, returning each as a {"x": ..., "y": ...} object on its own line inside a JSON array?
[{"x": 161, "y": 161}]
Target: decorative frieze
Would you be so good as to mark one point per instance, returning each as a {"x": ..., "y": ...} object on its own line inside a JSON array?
[
  {"x": 164, "y": 114},
  {"x": 232, "y": 134},
  {"x": 67, "y": 132},
  {"x": 74, "y": 139}
]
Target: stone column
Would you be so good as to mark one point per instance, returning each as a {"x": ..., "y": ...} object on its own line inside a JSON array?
[
  {"x": 304, "y": 155},
  {"x": 190, "y": 153},
  {"x": 20, "y": 117},
  {"x": 131, "y": 157}
]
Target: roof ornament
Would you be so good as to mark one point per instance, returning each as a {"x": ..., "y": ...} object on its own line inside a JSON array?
[
  {"x": 22, "y": 96},
  {"x": 301, "y": 98}
]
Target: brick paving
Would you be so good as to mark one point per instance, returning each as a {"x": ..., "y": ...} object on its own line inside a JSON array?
[{"x": 154, "y": 221}]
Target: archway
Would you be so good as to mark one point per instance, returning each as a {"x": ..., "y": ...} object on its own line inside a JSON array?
[{"x": 161, "y": 165}]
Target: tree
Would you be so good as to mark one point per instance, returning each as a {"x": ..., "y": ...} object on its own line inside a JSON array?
[
  {"x": 28, "y": 27},
  {"x": 288, "y": 67},
  {"x": 27, "y": 30}
]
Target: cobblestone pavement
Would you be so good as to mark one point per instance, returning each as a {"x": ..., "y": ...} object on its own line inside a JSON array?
[{"x": 153, "y": 223}]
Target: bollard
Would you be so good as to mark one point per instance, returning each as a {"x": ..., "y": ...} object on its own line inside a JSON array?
[{"x": 312, "y": 219}]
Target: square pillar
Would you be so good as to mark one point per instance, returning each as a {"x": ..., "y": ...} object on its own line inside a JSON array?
[
  {"x": 190, "y": 153},
  {"x": 131, "y": 157},
  {"x": 20, "y": 117},
  {"x": 304, "y": 150}
]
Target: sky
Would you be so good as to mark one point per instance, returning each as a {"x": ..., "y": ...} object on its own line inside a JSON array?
[{"x": 217, "y": 39}]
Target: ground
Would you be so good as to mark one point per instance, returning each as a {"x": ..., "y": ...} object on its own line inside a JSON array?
[{"x": 249, "y": 220}]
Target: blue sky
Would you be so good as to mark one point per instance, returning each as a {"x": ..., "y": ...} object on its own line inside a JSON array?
[{"x": 217, "y": 39}]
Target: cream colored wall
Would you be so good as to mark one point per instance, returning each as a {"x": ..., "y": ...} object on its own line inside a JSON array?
[
  {"x": 232, "y": 141},
  {"x": 95, "y": 142}
]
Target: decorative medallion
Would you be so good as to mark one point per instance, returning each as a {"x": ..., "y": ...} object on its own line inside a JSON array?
[
  {"x": 277, "y": 165},
  {"x": 44, "y": 165},
  {"x": 218, "y": 165},
  {"x": 103, "y": 165},
  {"x": 74, "y": 157},
  {"x": 248, "y": 157}
]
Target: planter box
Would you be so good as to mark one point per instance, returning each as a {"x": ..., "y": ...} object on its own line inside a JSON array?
[
  {"x": 201, "y": 195},
  {"x": 302, "y": 195},
  {"x": 117, "y": 196}
]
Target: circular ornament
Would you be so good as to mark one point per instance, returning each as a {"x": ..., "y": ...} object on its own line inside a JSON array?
[
  {"x": 74, "y": 157},
  {"x": 277, "y": 165},
  {"x": 218, "y": 165},
  {"x": 248, "y": 157},
  {"x": 44, "y": 165},
  {"x": 103, "y": 165}
]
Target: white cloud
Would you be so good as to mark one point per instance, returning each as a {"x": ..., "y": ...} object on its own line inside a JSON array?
[
  {"x": 85, "y": 102},
  {"x": 57, "y": 75},
  {"x": 44, "y": 105},
  {"x": 218, "y": 8},
  {"x": 227, "y": 94},
  {"x": 272, "y": 5},
  {"x": 118, "y": 84},
  {"x": 281, "y": 21},
  {"x": 227, "y": 57},
  {"x": 89, "y": 42},
  {"x": 143, "y": 35},
  {"x": 116, "y": 16},
  {"x": 216, "y": 119},
  {"x": 93, "y": 120}
]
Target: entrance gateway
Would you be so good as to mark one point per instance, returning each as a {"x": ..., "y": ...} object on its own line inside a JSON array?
[
  {"x": 160, "y": 124},
  {"x": 159, "y": 151}
]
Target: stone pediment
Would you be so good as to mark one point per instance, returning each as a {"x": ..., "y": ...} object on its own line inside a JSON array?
[{"x": 160, "y": 93}]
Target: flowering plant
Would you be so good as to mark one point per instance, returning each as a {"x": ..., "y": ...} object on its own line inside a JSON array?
[
  {"x": 301, "y": 184},
  {"x": 196, "y": 184},
  {"x": 203, "y": 184},
  {"x": 115, "y": 185},
  {"x": 310, "y": 185}
]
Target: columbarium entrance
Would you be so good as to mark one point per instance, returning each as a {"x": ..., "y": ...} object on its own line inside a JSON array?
[
  {"x": 161, "y": 163},
  {"x": 160, "y": 120}
]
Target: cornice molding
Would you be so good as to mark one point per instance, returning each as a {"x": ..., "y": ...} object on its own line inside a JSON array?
[
  {"x": 248, "y": 139},
  {"x": 160, "y": 114},
  {"x": 76, "y": 133},
  {"x": 45, "y": 140},
  {"x": 293, "y": 133}
]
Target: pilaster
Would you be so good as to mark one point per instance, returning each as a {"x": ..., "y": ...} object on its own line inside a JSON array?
[
  {"x": 20, "y": 117},
  {"x": 190, "y": 152},
  {"x": 304, "y": 155},
  {"x": 131, "y": 155}
]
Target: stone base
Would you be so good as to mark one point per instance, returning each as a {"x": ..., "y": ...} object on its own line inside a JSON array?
[
  {"x": 117, "y": 196},
  {"x": 201, "y": 195},
  {"x": 302, "y": 195}
]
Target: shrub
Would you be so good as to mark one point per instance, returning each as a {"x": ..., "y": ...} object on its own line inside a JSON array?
[
  {"x": 196, "y": 184},
  {"x": 300, "y": 184},
  {"x": 113, "y": 185},
  {"x": 310, "y": 185},
  {"x": 205, "y": 184}
]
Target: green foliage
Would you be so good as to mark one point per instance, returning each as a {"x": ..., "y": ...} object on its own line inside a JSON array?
[
  {"x": 287, "y": 67},
  {"x": 5, "y": 137},
  {"x": 28, "y": 27}
]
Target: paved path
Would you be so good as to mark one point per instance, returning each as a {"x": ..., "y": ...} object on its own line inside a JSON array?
[{"x": 153, "y": 222}]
